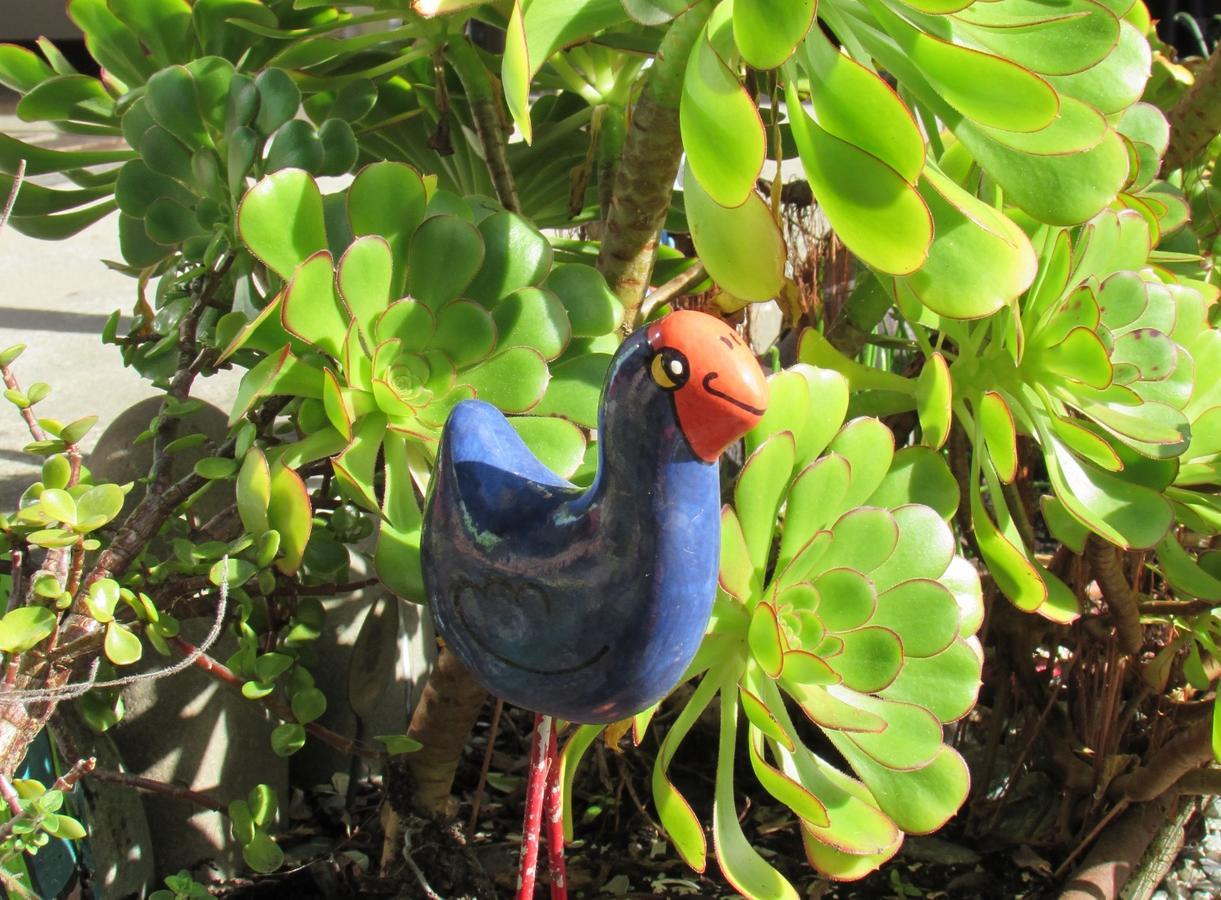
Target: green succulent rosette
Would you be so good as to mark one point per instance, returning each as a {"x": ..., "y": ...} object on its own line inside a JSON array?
[
  {"x": 840, "y": 593},
  {"x": 398, "y": 303},
  {"x": 1095, "y": 363},
  {"x": 1194, "y": 491},
  {"x": 1186, "y": 559}
]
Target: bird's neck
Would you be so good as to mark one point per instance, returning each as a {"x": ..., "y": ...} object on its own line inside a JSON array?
[{"x": 641, "y": 449}]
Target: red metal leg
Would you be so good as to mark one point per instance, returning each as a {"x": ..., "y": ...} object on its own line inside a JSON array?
[
  {"x": 536, "y": 784},
  {"x": 554, "y": 813}
]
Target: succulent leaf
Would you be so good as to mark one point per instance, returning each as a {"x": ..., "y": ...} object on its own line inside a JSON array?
[{"x": 864, "y": 622}]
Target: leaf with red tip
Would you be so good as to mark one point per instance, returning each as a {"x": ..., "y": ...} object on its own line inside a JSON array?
[
  {"x": 741, "y": 864},
  {"x": 1000, "y": 435},
  {"x": 762, "y": 718},
  {"x": 788, "y": 791},
  {"x": 311, "y": 309},
  {"x": 280, "y": 219},
  {"x": 290, "y": 513},
  {"x": 934, "y": 394},
  {"x": 736, "y": 576},
  {"x": 680, "y": 822},
  {"x": 766, "y": 641}
]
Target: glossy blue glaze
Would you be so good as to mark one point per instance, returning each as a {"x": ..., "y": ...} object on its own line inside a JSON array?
[{"x": 587, "y": 605}]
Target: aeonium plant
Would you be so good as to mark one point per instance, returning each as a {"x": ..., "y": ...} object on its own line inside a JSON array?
[
  {"x": 841, "y": 594},
  {"x": 1093, "y": 362},
  {"x": 398, "y": 302}
]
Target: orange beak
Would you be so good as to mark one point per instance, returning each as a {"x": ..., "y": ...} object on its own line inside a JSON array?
[{"x": 725, "y": 392}]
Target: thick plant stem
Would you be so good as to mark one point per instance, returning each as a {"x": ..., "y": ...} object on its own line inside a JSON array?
[
  {"x": 1196, "y": 118},
  {"x": 1185, "y": 752},
  {"x": 477, "y": 86},
  {"x": 419, "y": 783},
  {"x": 645, "y": 177},
  {"x": 1162, "y": 853},
  {"x": 442, "y": 722},
  {"x": 1111, "y": 861},
  {"x": 863, "y": 310},
  {"x": 611, "y": 134},
  {"x": 1117, "y": 592}
]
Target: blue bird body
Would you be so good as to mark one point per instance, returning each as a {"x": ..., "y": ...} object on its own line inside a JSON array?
[{"x": 584, "y": 604}]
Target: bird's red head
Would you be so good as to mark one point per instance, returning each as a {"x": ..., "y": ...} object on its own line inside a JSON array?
[{"x": 719, "y": 389}]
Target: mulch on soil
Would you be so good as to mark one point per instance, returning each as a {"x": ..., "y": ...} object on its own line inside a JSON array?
[{"x": 619, "y": 850}]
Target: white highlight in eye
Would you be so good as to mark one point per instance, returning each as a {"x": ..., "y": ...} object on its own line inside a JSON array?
[{"x": 676, "y": 367}]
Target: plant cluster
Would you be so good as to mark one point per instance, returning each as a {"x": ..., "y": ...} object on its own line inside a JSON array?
[{"x": 1022, "y": 374}]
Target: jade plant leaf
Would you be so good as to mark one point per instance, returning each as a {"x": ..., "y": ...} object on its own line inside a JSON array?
[
  {"x": 110, "y": 41},
  {"x": 397, "y": 555},
  {"x": 174, "y": 104},
  {"x": 933, "y": 398},
  {"x": 516, "y": 255},
  {"x": 978, "y": 260},
  {"x": 163, "y": 25},
  {"x": 24, "y": 627},
  {"x": 854, "y": 104},
  {"x": 558, "y": 444},
  {"x": 1044, "y": 38},
  {"x": 989, "y": 90},
  {"x": 513, "y": 380},
  {"x": 312, "y": 309},
  {"x": 121, "y": 646},
  {"x": 748, "y": 872},
  {"x": 655, "y": 12},
  {"x": 533, "y": 317},
  {"x": 388, "y": 199},
  {"x": 1000, "y": 436},
  {"x": 592, "y": 308}
]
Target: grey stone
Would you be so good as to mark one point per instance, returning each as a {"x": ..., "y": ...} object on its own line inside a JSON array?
[
  {"x": 191, "y": 730},
  {"x": 119, "y": 838},
  {"x": 406, "y": 657},
  {"x": 118, "y": 458}
]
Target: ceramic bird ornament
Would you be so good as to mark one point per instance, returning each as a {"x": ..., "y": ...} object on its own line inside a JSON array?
[{"x": 589, "y": 604}]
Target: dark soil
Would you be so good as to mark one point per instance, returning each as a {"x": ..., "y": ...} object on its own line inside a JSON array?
[{"x": 619, "y": 850}]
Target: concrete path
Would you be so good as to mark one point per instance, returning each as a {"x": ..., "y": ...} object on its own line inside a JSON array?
[{"x": 55, "y": 296}]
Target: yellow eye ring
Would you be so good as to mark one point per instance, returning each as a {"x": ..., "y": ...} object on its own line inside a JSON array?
[{"x": 669, "y": 369}]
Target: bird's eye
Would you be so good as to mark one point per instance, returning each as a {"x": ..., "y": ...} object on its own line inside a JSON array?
[{"x": 670, "y": 369}]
